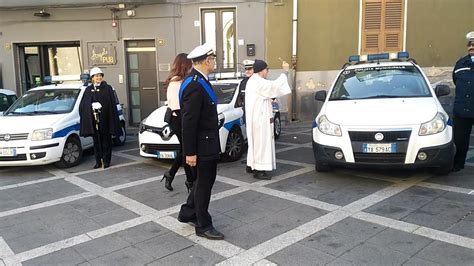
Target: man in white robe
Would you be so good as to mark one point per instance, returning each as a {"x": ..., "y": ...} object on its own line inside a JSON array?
[{"x": 259, "y": 117}]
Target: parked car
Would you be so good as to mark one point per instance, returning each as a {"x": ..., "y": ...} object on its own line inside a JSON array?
[
  {"x": 42, "y": 127},
  {"x": 382, "y": 111},
  {"x": 7, "y": 97}
]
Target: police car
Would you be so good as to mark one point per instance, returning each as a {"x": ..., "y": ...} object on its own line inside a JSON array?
[
  {"x": 382, "y": 111},
  {"x": 42, "y": 126},
  {"x": 157, "y": 140},
  {"x": 7, "y": 97}
]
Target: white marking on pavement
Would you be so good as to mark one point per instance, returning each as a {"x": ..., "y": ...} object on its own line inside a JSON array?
[
  {"x": 264, "y": 262},
  {"x": 5, "y": 250},
  {"x": 31, "y": 182},
  {"x": 445, "y": 188},
  {"x": 50, "y": 248},
  {"x": 231, "y": 181},
  {"x": 471, "y": 192},
  {"x": 47, "y": 204},
  {"x": 283, "y": 176},
  {"x": 445, "y": 237},
  {"x": 294, "y": 163},
  {"x": 388, "y": 222},
  {"x": 296, "y": 198}
]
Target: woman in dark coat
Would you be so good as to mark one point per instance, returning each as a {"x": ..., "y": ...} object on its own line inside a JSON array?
[{"x": 99, "y": 99}]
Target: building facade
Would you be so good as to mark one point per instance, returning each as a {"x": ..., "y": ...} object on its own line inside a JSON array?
[{"x": 134, "y": 42}]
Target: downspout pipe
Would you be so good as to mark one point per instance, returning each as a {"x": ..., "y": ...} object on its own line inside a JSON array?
[{"x": 294, "y": 46}]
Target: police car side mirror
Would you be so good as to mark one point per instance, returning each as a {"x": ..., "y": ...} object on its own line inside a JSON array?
[
  {"x": 442, "y": 90},
  {"x": 320, "y": 95}
]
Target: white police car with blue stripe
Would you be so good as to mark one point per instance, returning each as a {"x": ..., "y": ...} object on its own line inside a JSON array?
[
  {"x": 156, "y": 139},
  {"x": 42, "y": 126},
  {"x": 382, "y": 111}
]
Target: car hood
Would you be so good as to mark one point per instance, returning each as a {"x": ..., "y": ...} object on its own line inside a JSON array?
[
  {"x": 381, "y": 112},
  {"x": 27, "y": 124}
]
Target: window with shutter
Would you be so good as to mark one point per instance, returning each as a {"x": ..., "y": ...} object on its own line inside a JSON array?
[{"x": 382, "y": 26}]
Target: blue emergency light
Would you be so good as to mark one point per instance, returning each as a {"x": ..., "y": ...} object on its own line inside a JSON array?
[
  {"x": 85, "y": 77},
  {"x": 376, "y": 57},
  {"x": 47, "y": 79}
]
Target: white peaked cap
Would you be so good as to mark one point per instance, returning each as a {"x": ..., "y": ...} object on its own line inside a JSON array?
[
  {"x": 201, "y": 51},
  {"x": 470, "y": 36},
  {"x": 248, "y": 63}
]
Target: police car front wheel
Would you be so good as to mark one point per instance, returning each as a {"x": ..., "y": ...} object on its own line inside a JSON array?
[{"x": 72, "y": 153}]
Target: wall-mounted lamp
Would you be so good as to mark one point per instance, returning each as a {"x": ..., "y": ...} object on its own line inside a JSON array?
[{"x": 42, "y": 14}]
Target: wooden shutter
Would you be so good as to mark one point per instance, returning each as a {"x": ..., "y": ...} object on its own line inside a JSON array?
[{"x": 382, "y": 26}]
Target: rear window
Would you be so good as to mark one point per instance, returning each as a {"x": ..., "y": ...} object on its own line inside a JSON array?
[{"x": 380, "y": 82}]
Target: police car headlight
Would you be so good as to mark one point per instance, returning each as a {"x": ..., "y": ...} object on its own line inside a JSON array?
[
  {"x": 436, "y": 125},
  {"x": 142, "y": 126},
  {"x": 42, "y": 134},
  {"x": 328, "y": 128}
]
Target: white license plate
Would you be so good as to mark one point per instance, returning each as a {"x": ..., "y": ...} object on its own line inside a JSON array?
[
  {"x": 7, "y": 152},
  {"x": 379, "y": 148},
  {"x": 166, "y": 154}
]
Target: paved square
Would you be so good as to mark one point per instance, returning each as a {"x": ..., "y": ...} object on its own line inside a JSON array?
[{"x": 124, "y": 216}]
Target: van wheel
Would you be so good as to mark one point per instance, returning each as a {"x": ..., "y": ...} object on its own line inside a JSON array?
[
  {"x": 120, "y": 141},
  {"x": 322, "y": 167},
  {"x": 72, "y": 153},
  {"x": 234, "y": 147},
  {"x": 277, "y": 125}
]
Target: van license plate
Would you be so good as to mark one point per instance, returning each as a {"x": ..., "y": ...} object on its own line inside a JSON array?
[
  {"x": 7, "y": 152},
  {"x": 379, "y": 147},
  {"x": 166, "y": 154}
]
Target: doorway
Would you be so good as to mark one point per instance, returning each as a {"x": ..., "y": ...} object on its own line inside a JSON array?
[{"x": 142, "y": 79}]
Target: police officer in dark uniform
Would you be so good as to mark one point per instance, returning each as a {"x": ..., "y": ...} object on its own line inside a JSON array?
[
  {"x": 463, "y": 112},
  {"x": 200, "y": 135},
  {"x": 98, "y": 105}
]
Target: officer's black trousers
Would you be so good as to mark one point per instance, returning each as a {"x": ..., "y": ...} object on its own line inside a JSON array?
[
  {"x": 197, "y": 204},
  {"x": 462, "y": 134},
  {"x": 178, "y": 161},
  {"x": 106, "y": 151}
]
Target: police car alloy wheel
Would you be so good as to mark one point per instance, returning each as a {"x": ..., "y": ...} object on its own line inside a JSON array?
[
  {"x": 72, "y": 153},
  {"x": 234, "y": 147}
]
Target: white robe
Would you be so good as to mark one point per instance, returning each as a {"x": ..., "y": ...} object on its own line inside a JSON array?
[{"x": 258, "y": 113}]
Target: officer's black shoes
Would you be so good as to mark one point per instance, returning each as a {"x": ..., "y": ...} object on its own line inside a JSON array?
[
  {"x": 97, "y": 165},
  {"x": 192, "y": 221},
  {"x": 189, "y": 185},
  {"x": 168, "y": 181},
  {"x": 261, "y": 175},
  {"x": 248, "y": 169},
  {"x": 211, "y": 234}
]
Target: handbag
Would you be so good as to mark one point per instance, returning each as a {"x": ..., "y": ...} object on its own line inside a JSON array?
[{"x": 168, "y": 115}]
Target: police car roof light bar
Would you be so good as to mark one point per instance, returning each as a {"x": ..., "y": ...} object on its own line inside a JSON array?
[{"x": 373, "y": 57}]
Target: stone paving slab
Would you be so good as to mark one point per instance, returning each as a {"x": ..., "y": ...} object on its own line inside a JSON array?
[
  {"x": 333, "y": 187},
  {"x": 36, "y": 193},
  {"x": 88, "y": 162},
  {"x": 16, "y": 175},
  {"x": 462, "y": 178},
  {"x": 155, "y": 195},
  {"x": 446, "y": 254},
  {"x": 302, "y": 155},
  {"x": 194, "y": 255},
  {"x": 296, "y": 138},
  {"x": 63, "y": 257},
  {"x": 127, "y": 256},
  {"x": 123, "y": 175},
  {"x": 298, "y": 254}
]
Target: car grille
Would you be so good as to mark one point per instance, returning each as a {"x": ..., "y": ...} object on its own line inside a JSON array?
[
  {"x": 165, "y": 132},
  {"x": 19, "y": 157},
  {"x": 400, "y": 138},
  {"x": 20, "y": 136},
  {"x": 153, "y": 148}
]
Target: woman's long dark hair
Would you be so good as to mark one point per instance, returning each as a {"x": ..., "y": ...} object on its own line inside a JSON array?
[{"x": 181, "y": 67}]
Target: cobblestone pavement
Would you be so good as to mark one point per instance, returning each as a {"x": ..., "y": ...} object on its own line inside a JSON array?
[{"x": 124, "y": 216}]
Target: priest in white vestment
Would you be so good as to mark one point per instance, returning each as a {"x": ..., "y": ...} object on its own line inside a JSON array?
[{"x": 259, "y": 93}]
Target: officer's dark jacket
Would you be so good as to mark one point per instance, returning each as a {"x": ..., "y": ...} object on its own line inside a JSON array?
[
  {"x": 463, "y": 77},
  {"x": 200, "y": 129},
  {"x": 109, "y": 121}
]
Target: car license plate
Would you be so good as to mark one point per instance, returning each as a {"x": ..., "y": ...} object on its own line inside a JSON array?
[
  {"x": 166, "y": 154},
  {"x": 7, "y": 152},
  {"x": 379, "y": 148}
]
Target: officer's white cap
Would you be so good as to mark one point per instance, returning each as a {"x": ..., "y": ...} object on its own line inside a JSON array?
[
  {"x": 248, "y": 63},
  {"x": 201, "y": 52},
  {"x": 95, "y": 71},
  {"x": 470, "y": 36}
]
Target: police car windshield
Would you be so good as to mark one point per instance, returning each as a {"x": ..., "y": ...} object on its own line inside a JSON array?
[
  {"x": 380, "y": 82},
  {"x": 41, "y": 102},
  {"x": 224, "y": 92}
]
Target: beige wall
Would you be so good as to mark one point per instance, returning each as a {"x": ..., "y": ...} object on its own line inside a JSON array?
[{"x": 436, "y": 30}]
